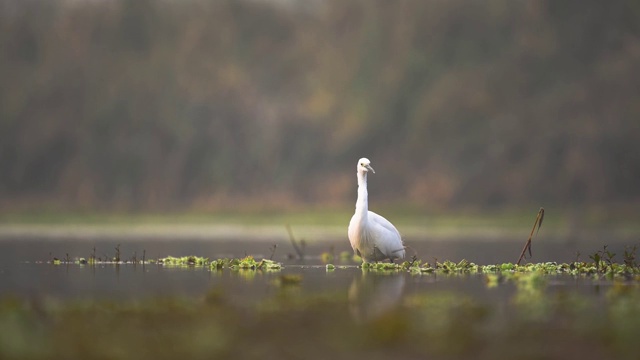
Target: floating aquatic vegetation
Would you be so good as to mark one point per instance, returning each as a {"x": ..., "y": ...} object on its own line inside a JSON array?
[
  {"x": 416, "y": 267},
  {"x": 381, "y": 266},
  {"x": 216, "y": 264},
  {"x": 249, "y": 263},
  {"x": 184, "y": 261},
  {"x": 603, "y": 265},
  {"x": 246, "y": 263},
  {"x": 608, "y": 269}
]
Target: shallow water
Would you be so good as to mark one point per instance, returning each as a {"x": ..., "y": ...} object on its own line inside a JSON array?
[
  {"x": 156, "y": 311},
  {"x": 24, "y": 267}
]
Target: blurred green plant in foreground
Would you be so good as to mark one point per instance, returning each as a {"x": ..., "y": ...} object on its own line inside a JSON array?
[{"x": 437, "y": 324}]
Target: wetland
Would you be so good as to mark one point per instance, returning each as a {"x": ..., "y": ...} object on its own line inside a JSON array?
[{"x": 199, "y": 292}]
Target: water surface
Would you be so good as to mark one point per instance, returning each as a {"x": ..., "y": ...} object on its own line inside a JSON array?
[{"x": 24, "y": 267}]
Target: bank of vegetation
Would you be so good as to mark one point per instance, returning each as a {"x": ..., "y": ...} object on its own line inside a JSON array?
[{"x": 152, "y": 105}]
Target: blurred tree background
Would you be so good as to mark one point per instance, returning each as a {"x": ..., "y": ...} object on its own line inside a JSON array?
[{"x": 153, "y": 105}]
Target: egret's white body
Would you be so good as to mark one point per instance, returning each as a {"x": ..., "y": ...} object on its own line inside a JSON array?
[{"x": 372, "y": 236}]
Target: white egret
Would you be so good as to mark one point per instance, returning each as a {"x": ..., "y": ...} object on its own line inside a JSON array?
[{"x": 372, "y": 237}]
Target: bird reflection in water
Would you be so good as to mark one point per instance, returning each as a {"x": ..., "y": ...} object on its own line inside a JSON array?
[{"x": 372, "y": 295}]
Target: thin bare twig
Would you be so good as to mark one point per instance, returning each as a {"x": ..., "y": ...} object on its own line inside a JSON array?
[
  {"x": 527, "y": 245},
  {"x": 294, "y": 243},
  {"x": 273, "y": 250},
  {"x": 415, "y": 253},
  {"x": 117, "y": 258}
]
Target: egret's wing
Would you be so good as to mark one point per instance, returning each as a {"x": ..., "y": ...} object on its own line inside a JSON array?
[
  {"x": 389, "y": 242},
  {"x": 373, "y": 217}
]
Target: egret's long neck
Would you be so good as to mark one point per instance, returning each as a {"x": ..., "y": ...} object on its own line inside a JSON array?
[{"x": 362, "y": 204}]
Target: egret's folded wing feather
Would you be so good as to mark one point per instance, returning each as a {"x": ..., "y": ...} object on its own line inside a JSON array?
[
  {"x": 380, "y": 220},
  {"x": 388, "y": 237}
]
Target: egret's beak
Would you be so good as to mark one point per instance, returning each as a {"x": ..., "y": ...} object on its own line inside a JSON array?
[{"x": 370, "y": 168}]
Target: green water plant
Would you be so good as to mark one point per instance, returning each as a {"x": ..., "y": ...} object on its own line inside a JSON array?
[
  {"x": 417, "y": 267},
  {"x": 630, "y": 256},
  {"x": 184, "y": 261},
  {"x": 381, "y": 266},
  {"x": 602, "y": 257},
  {"x": 250, "y": 263},
  {"x": 216, "y": 264},
  {"x": 603, "y": 265},
  {"x": 246, "y": 263}
]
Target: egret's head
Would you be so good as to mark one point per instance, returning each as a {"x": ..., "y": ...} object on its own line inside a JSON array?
[{"x": 364, "y": 165}]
